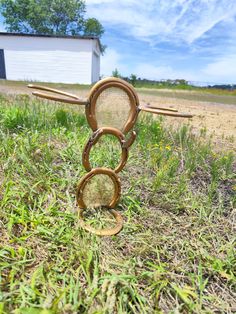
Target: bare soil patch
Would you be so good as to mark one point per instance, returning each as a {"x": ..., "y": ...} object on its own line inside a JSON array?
[{"x": 216, "y": 119}]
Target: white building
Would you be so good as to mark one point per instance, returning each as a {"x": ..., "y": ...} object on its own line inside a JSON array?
[{"x": 49, "y": 58}]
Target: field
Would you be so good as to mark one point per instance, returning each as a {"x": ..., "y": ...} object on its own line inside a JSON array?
[
  {"x": 176, "y": 252},
  {"x": 214, "y": 110}
]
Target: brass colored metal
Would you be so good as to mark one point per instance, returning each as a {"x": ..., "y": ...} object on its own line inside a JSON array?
[
  {"x": 131, "y": 140},
  {"x": 97, "y": 90},
  {"x": 103, "y": 232},
  {"x": 94, "y": 139},
  {"x": 113, "y": 80},
  {"x": 90, "y": 110},
  {"x": 111, "y": 174},
  {"x": 72, "y": 98},
  {"x": 64, "y": 100},
  {"x": 161, "y": 108},
  {"x": 165, "y": 113},
  {"x": 52, "y": 90}
]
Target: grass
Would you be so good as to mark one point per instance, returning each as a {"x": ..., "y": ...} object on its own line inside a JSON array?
[
  {"x": 12, "y": 84},
  {"x": 211, "y": 94},
  {"x": 185, "y": 87},
  {"x": 197, "y": 95},
  {"x": 176, "y": 252}
]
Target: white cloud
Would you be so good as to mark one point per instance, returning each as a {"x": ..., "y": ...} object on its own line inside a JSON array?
[
  {"x": 90, "y": 2},
  {"x": 207, "y": 27},
  {"x": 149, "y": 71},
  {"x": 222, "y": 70},
  {"x": 168, "y": 20},
  {"x": 112, "y": 60}
]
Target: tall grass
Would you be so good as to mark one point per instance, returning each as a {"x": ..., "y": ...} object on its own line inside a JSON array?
[{"x": 176, "y": 251}]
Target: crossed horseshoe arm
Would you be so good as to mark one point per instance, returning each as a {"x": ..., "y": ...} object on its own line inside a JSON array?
[{"x": 75, "y": 100}]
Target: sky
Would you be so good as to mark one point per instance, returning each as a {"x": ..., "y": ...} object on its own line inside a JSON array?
[
  {"x": 169, "y": 39},
  {"x": 193, "y": 40}
]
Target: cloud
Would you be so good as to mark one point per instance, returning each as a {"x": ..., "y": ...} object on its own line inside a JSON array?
[
  {"x": 149, "y": 71},
  {"x": 222, "y": 70},
  {"x": 163, "y": 20},
  {"x": 160, "y": 39},
  {"x": 90, "y": 2},
  {"x": 112, "y": 60}
]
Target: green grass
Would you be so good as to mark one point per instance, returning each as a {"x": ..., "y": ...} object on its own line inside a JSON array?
[
  {"x": 205, "y": 95},
  {"x": 180, "y": 87},
  {"x": 176, "y": 252},
  {"x": 12, "y": 84}
]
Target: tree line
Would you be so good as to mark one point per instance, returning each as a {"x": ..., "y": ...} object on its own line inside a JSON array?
[{"x": 176, "y": 83}]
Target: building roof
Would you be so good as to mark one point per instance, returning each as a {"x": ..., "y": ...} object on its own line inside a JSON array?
[{"x": 52, "y": 36}]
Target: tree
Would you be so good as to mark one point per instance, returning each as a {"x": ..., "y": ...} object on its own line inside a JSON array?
[
  {"x": 53, "y": 17},
  {"x": 133, "y": 79},
  {"x": 116, "y": 73},
  {"x": 92, "y": 27}
]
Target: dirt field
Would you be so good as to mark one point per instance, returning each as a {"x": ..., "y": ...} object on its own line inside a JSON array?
[
  {"x": 214, "y": 115},
  {"x": 217, "y": 119}
]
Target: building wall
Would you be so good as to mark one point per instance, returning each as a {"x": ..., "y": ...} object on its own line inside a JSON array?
[
  {"x": 95, "y": 62},
  {"x": 49, "y": 59}
]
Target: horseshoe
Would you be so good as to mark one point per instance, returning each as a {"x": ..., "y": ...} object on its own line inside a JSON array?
[
  {"x": 96, "y": 171},
  {"x": 106, "y": 231},
  {"x": 94, "y": 139},
  {"x": 90, "y": 111}
]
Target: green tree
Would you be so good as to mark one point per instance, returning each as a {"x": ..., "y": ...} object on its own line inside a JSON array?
[
  {"x": 133, "y": 79},
  {"x": 58, "y": 17},
  {"x": 116, "y": 73},
  {"x": 92, "y": 27}
]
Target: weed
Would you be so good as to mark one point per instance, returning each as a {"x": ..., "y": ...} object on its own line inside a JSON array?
[{"x": 176, "y": 251}]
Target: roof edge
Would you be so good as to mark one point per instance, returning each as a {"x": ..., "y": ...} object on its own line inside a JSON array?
[{"x": 53, "y": 36}]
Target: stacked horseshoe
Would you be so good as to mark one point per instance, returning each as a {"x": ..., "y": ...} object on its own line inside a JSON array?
[
  {"x": 98, "y": 132},
  {"x": 97, "y": 90}
]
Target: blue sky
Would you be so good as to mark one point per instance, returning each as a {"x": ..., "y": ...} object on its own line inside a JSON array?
[{"x": 160, "y": 39}]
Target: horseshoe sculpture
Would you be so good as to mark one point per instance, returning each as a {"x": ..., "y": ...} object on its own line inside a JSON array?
[{"x": 96, "y": 92}]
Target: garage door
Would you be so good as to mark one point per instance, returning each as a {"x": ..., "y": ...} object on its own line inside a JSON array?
[{"x": 2, "y": 65}]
